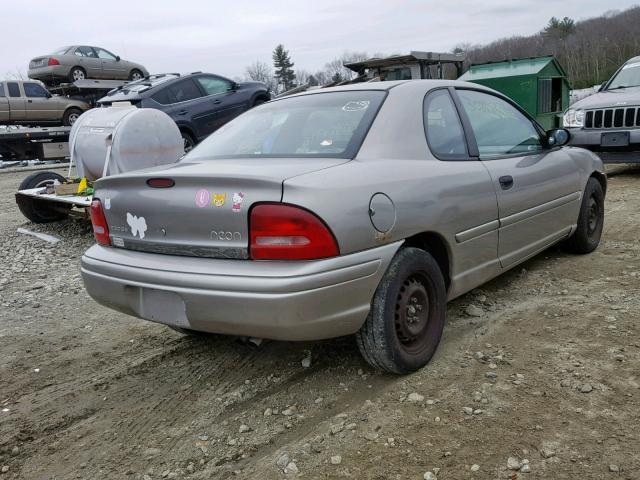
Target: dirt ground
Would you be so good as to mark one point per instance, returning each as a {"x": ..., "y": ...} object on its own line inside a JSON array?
[{"x": 547, "y": 374}]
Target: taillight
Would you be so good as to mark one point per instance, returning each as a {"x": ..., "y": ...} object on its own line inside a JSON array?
[
  {"x": 286, "y": 232},
  {"x": 160, "y": 182},
  {"x": 99, "y": 222},
  {"x": 53, "y": 61}
]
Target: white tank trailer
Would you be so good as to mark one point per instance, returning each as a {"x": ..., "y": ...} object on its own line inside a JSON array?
[{"x": 103, "y": 142}]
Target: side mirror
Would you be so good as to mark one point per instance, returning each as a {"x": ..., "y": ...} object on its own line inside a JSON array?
[
  {"x": 117, "y": 58},
  {"x": 234, "y": 86},
  {"x": 558, "y": 137}
]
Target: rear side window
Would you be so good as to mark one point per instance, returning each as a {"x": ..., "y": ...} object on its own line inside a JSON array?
[
  {"x": 85, "y": 52},
  {"x": 329, "y": 125},
  {"x": 14, "y": 89},
  {"x": 33, "y": 90},
  {"x": 444, "y": 131},
  {"x": 164, "y": 97},
  {"x": 184, "y": 90},
  {"x": 214, "y": 85}
]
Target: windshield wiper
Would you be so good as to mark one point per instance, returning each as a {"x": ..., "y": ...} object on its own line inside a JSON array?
[{"x": 619, "y": 87}]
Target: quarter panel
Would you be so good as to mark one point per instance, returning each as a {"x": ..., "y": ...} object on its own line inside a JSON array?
[{"x": 447, "y": 198}]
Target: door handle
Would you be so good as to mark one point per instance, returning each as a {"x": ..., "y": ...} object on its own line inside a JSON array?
[
  {"x": 29, "y": 101},
  {"x": 506, "y": 182},
  {"x": 217, "y": 101},
  {"x": 183, "y": 112}
]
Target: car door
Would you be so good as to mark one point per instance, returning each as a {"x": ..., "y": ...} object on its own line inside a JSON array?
[
  {"x": 41, "y": 105},
  {"x": 16, "y": 102},
  {"x": 537, "y": 187},
  {"x": 472, "y": 220},
  {"x": 4, "y": 104},
  {"x": 87, "y": 59},
  {"x": 112, "y": 68},
  {"x": 225, "y": 103},
  {"x": 188, "y": 107}
]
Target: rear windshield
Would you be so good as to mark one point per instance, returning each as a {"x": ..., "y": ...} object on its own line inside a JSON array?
[
  {"x": 61, "y": 51},
  {"x": 331, "y": 124}
]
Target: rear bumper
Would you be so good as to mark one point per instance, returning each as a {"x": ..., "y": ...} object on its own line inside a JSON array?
[
  {"x": 52, "y": 71},
  {"x": 279, "y": 300}
]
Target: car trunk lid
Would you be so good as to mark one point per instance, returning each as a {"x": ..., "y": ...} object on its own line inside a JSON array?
[{"x": 205, "y": 210}]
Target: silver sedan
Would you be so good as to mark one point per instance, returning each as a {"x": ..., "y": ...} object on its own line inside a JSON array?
[
  {"x": 79, "y": 62},
  {"x": 350, "y": 210}
]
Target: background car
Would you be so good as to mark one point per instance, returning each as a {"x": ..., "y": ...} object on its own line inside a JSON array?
[
  {"x": 29, "y": 103},
  {"x": 199, "y": 103},
  {"x": 69, "y": 64},
  {"x": 353, "y": 210},
  {"x": 608, "y": 122}
]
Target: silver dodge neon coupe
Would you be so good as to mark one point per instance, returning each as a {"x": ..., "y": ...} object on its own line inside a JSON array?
[{"x": 350, "y": 210}]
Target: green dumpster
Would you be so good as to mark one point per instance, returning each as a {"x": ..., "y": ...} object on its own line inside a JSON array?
[{"x": 538, "y": 84}]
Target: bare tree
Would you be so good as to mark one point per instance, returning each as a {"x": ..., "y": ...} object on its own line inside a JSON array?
[{"x": 261, "y": 72}]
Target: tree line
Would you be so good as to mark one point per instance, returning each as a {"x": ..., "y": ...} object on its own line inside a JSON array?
[{"x": 590, "y": 52}]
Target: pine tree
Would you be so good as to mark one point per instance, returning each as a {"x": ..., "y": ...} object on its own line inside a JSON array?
[{"x": 283, "y": 65}]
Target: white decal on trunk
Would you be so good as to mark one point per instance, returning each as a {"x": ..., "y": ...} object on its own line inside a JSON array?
[
  {"x": 107, "y": 203},
  {"x": 138, "y": 225}
]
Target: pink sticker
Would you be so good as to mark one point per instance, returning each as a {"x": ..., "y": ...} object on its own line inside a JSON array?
[
  {"x": 202, "y": 198},
  {"x": 237, "y": 199}
]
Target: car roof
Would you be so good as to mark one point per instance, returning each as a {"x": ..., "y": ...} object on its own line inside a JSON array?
[{"x": 395, "y": 84}]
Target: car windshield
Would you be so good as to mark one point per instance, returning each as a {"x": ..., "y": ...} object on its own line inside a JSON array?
[
  {"x": 60, "y": 51},
  {"x": 628, "y": 76},
  {"x": 328, "y": 124}
]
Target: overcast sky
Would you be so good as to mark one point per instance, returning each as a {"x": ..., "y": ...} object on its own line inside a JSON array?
[{"x": 225, "y": 36}]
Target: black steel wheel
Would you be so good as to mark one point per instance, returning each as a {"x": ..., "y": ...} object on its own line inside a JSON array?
[
  {"x": 407, "y": 316},
  {"x": 586, "y": 237}
]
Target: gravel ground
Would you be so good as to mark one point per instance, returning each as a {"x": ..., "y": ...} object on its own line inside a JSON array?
[{"x": 537, "y": 376}]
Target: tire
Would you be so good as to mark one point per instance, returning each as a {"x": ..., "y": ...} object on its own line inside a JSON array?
[
  {"x": 136, "y": 75},
  {"x": 39, "y": 211},
  {"x": 258, "y": 101},
  {"x": 407, "y": 316},
  {"x": 188, "y": 141},
  {"x": 70, "y": 116},
  {"x": 77, "y": 73},
  {"x": 588, "y": 232}
]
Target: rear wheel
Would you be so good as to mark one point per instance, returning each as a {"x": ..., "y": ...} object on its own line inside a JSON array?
[
  {"x": 588, "y": 232},
  {"x": 77, "y": 73},
  {"x": 187, "y": 141},
  {"x": 39, "y": 211},
  {"x": 135, "y": 75},
  {"x": 407, "y": 316},
  {"x": 70, "y": 116}
]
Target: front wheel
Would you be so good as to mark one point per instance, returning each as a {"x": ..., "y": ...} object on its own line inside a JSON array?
[
  {"x": 588, "y": 232},
  {"x": 407, "y": 316},
  {"x": 70, "y": 116}
]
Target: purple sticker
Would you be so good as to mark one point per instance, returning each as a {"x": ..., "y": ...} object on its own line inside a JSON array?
[{"x": 202, "y": 198}]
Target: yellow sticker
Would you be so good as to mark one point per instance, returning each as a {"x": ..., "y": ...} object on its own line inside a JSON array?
[{"x": 218, "y": 199}]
